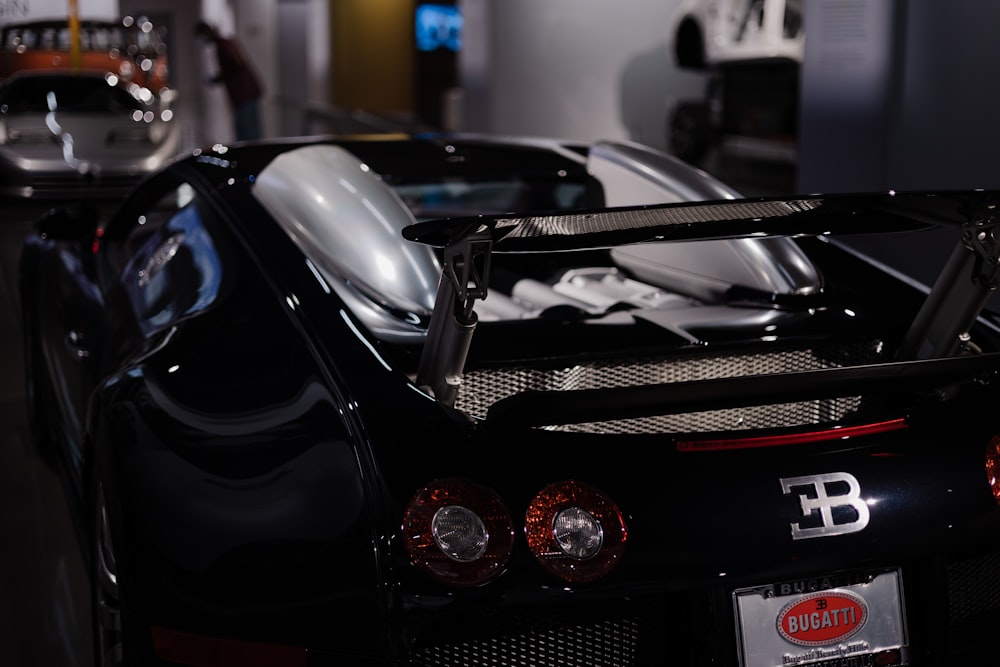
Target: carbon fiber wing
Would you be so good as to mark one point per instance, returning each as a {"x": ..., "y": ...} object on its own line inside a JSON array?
[{"x": 722, "y": 219}]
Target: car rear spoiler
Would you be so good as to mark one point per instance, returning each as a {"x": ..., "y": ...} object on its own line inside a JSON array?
[{"x": 953, "y": 304}]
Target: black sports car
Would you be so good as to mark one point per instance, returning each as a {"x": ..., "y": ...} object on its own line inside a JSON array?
[{"x": 332, "y": 402}]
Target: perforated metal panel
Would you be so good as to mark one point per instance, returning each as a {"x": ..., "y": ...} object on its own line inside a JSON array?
[
  {"x": 480, "y": 389},
  {"x": 973, "y": 587},
  {"x": 603, "y": 644}
]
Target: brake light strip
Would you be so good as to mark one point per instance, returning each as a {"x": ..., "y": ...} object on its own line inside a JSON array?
[{"x": 784, "y": 439}]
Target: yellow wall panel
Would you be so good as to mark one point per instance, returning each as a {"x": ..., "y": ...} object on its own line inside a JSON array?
[{"x": 373, "y": 54}]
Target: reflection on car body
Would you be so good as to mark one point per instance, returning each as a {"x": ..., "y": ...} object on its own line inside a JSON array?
[{"x": 309, "y": 422}]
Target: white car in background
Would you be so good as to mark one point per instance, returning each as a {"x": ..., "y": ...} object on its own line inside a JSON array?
[
  {"x": 711, "y": 32},
  {"x": 80, "y": 133},
  {"x": 752, "y": 51}
]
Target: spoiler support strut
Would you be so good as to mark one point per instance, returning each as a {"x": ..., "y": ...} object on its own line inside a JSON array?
[
  {"x": 960, "y": 292},
  {"x": 464, "y": 279}
]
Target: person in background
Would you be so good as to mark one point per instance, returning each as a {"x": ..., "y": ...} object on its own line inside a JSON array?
[{"x": 237, "y": 73}]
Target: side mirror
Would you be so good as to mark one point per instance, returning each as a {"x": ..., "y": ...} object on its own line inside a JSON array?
[{"x": 69, "y": 223}]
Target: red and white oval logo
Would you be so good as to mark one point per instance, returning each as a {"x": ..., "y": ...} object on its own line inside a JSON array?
[{"x": 822, "y": 618}]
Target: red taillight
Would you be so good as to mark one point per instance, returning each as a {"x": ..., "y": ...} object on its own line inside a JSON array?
[
  {"x": 458, "y": 532},
  {"x": 993, "y": 466},
  {"x": 96, "y": 243},
  {"x": 575, "y": 531}
]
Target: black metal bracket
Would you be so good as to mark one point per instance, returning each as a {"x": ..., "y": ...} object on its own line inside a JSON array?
[
  {"x": 960, "y": 293},
  {"x": 983, "y": 242},
  {"x": 467, "y": 267},
  {"x": 464, "y": 280}
]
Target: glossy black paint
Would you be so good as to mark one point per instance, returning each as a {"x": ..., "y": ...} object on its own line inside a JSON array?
[{"x": 257, "y": 447}]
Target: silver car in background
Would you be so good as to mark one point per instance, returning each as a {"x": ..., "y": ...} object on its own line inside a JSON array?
[{"x": 78, "y": 133}]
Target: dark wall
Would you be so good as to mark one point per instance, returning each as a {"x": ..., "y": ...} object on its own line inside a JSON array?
[
  {"x": 847, "y": 91},
  {"x": 899, "y": 94}
]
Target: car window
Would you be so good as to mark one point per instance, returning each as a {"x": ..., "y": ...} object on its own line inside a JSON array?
[
  {"x": 69, "y": 94},
  {"x": 448, "y": 198},
  {"x": 165, "y": 260},
  {"x": 11, "y": 39},
  {"x": 139, "y": 38}
]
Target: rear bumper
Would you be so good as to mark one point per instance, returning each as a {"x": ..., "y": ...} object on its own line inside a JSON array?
[{"x": 949, "y": 608}]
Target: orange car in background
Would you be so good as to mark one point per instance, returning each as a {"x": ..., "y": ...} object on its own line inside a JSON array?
[{"x": 131, "y": 48}]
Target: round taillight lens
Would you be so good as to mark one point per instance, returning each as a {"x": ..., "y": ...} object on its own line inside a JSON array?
[
  {"x": 458, "y": 532},
  {"x": 993, "y": 466},
  {"x": 578, "y": 533},
  {"x": 575, "y": 531}
]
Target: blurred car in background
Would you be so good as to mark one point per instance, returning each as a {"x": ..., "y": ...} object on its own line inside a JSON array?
[
  {"x": 752, "y": 51},
  {"x": 75, "y": 133},
  {"x": 716, "y": 32},
  {"x": 131, "y": 48},
  {"x": 596, "y": 423}
]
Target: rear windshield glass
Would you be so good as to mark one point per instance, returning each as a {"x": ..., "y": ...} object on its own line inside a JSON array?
[{"x": 456, "y": 198}]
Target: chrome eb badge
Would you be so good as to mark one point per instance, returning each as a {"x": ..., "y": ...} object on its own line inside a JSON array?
[
  {"x": 824, "y": 493},
  {"x": 823, "y": 618}
]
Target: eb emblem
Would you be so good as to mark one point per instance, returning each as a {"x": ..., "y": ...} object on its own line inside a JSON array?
[{"x": 823, "y": 494}]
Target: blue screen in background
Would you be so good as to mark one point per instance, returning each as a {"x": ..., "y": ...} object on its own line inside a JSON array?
[{"x": 438, "y": 27}]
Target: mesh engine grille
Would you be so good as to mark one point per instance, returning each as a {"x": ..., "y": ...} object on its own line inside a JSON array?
[
  {"x": 605, "y": 644},
  {"x": 973, "y": 587},
  {"x": 480, "y": 389}
]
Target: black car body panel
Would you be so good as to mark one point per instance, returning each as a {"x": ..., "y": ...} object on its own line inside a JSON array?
[{"x": 259, "y": 439}]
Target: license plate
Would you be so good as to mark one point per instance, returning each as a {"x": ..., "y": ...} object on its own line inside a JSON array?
[{"x": 851, "y": 624}]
